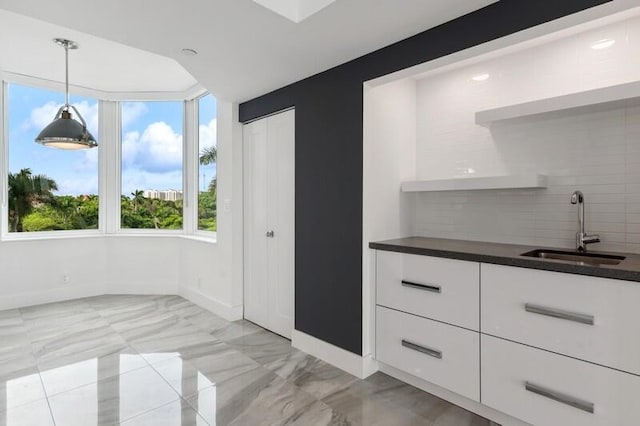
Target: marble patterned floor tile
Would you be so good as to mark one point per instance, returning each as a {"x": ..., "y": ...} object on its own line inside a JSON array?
[
  {"x": 166, "y": 337},
  {"x": 175, "y": 413},
  {"x": 10, "y": 317},
  {"x": 76, "y": 343},
  {"x": 19, "y": 388},
  {"x": 203, "y": 366},
  {"x": 73, "y": 375},
  {"x": 36, "y": 413},
  {"x": 15, "y": 360},
  {"x": 196, "y": 315},
  {"x": 382, "y": 400},
  {"x": 54, "y": 312},
  {"x": 236, "y": 329},
  {"x": 224, "y": 402},
  {"x": 129, "y": 358},
  {"x": 259, "y": 397},
  {"x": 114, "y": 301},
  {"x": 321, "y": 379},
  {"x": 129, "y": 309},
  {"x": 113, "y": 400},
  {"x": 262, "y": 346}
]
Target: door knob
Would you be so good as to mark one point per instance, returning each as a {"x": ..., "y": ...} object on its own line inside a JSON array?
[{"x": 270, "y": 234}]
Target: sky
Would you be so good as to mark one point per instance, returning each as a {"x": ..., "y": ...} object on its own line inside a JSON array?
[{"x": 151, "y": 142}]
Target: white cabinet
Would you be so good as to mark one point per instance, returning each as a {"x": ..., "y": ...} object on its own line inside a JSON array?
[
  {"x": 441, "y": 289},
  {"x": 547, "y": 389},
  {"x": 544, "y": 347},
  {"x": 427, "y": 319},
  {"x": 438, "y": 353},
  {"x": 269, "y": 222},
  {"x": 593, "y": 319}
]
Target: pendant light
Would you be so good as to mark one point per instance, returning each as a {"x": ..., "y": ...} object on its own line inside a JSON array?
[{"x": 64, "y": 132}]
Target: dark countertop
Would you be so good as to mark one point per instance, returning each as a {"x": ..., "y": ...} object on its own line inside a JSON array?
[{"x": 510, "y": 255}]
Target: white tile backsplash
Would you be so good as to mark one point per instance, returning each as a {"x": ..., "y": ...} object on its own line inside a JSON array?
[{"x": 597, "y": 152}]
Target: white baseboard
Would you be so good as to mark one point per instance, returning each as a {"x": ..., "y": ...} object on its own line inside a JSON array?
[
  {"x": 228, "y": 312},
  {"x": 360, "y": 367},
  {"x": 58, "y": 294},
  {"x": 454, "y": 398}
]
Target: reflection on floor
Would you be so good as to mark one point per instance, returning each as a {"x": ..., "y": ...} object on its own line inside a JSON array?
[{"x": 160, "y": 360}]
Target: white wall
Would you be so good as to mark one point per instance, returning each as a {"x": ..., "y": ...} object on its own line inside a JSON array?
[
  {"x": 388, "y": 159},
  {"x": 34, "y": 271},
  {"x": 596, "y": 152},
  {"x": 212, "y": 275},
  {"x": 208, "y": 273}
]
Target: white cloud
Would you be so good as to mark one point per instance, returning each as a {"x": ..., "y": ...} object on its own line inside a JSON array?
[
  {"x": 162, "y": 148},
  {"x": 208, "y": 134},
  {"x": 129, "y": 149},
  {"x": 41, "y": 116},
  {"x": 157, "y": 149},
  {"x": 90, "y": 114},
  {"x": 78, "y": 186},
  {"x": 131, "y": 111}
]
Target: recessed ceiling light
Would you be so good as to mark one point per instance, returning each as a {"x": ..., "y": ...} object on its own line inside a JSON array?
[
  {"x": 481, "y": 77},
  {"x": 603, "y": 44},
  {"x": 189, "y": 52}
]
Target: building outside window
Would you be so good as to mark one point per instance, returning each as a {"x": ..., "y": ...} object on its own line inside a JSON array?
[
  {"x": 207, "y": 171},
  {"x": 152, "y": 166},
  {"x": 48, "y": 189}
]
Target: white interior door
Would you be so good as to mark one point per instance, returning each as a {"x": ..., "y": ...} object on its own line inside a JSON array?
[{"x": 269, "y": 222}]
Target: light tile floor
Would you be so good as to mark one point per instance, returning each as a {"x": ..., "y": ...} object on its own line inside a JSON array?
[{"x": 161, "y": 360}]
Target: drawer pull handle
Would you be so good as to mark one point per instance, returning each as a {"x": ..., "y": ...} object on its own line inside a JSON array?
[
  {"x": 557, "y": 313},
  {"x": 426, "y": 287},
  {"x": 561, "y": 397},
  {"x": 427, "y": 351}
]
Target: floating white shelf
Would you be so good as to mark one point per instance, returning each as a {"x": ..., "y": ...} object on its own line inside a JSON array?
[
  {"x": 477, "y": 183},
  {"x": 612, "y": 96}
]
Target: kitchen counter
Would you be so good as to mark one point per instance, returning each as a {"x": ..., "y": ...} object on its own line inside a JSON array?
[{"x": 510, "y": 255}]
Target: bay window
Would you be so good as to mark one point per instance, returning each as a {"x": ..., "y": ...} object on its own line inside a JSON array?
[{"x": 140, "y": 156}]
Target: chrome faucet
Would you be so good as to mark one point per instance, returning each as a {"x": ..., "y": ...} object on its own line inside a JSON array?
[{"x": 582, "y": 239}]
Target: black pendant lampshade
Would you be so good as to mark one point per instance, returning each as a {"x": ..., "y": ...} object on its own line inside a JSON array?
[{"x": 65, "y": 132}]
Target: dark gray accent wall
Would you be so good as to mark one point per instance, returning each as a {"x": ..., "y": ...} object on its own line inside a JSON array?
[{"x": 328, "y": 294}]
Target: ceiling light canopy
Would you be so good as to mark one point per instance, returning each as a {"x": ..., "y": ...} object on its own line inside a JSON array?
[
  {"x": 189, "y": 52},
  {"x": 64, "y": 132}
]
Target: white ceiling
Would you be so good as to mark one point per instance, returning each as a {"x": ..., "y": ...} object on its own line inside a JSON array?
[
  {"x": 26, "y": 48},
  {"x": 245, "y": 50}
]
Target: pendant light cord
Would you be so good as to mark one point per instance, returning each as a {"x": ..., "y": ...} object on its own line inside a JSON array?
[{"x": 66, "y": 74}]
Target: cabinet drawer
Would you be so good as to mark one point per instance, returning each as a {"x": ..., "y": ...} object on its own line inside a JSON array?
[
  {"x": 438, "y": 353},
  {"x": 594, "y": 319},
  {"x": 561, "y": 391},
  {"x": 442, "y": 289}
]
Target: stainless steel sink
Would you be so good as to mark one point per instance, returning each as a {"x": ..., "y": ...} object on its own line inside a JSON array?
[{"x": 581, "y": 258}]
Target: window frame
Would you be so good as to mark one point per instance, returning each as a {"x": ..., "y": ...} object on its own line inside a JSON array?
[
  {"x": 110, "y": 162},
  {"x": 197, "y": 231},
  {"x": 5, "y": 235},
  {"x": 185, "y": 194}
]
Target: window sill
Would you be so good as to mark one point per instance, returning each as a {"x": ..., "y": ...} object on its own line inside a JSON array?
[
  {"x": 63, "y": 235},
  {"x": 204, "y": 238},
  {"x": 50, "y": 235}
]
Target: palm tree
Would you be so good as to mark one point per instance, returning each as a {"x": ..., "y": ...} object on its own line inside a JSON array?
[
  {"x": 25, "y": 190},
  {"x": 208, "y": 155},
  {"x": 137, "y": 199}
]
